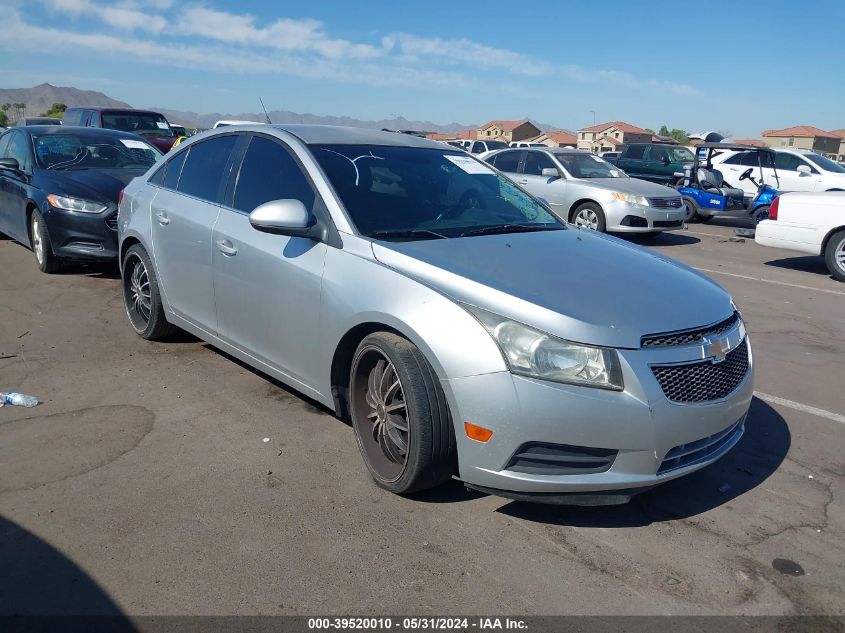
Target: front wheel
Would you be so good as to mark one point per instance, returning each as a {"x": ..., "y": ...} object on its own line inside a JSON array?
[
  {"x": 141, "y": 296},
  {"x": 834, "y": 255},
  {"x": 42, "y": 247},
  {"x": 589, "y": 216},
  {"x": 692, "y": 209},
  {"x": 400, "y": 415}
]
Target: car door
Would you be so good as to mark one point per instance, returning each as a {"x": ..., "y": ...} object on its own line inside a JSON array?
[
  {"x": 14, "y": 186},
  {"x": 551, "y": 189},
  {"x": 183, "y": 214},
  {"x": 632, "y": 159},
  {"x": 790, "y": 178},
  {"x": 267, "y": 286}
]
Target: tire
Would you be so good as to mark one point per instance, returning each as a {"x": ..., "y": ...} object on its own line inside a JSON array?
[
  {"x": 692, "y": 209},
  {"x": 589, "y": 216},
  {"x": 141, "y": 296},
  {"x": 834, "y": 255},
  {"x": 400, "y": 416},
  {"x": 703, "y": 218},
  {"x": 41, "y": 245},
  {"x": 759, "y": 214}
]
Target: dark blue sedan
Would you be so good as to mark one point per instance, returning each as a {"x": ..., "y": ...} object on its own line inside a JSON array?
[{"x": 59, "y": 188}]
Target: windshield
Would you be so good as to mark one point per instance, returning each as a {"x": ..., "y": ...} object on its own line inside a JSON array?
[
  {"x": 89, "y": 150},
  {"x": 584, "y": 165},
  {"x": 681, "y": 155},
  {"x": 420, "y": 193},
  {"x": 146, "y": 123},
  {"x": 825, "y": 163},
  {"x": 491, "y": 145}
]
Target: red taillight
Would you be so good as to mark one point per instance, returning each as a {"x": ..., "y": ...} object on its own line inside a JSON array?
[
  {"x": 773, "y": 210},
  {"x": 120, "y": 197}
]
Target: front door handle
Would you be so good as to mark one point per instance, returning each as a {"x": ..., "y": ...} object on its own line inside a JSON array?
[
  {"x": 227, "y": 248},
  {"x": 162, "y": 218},
  {"x": 523, "y": 182}
]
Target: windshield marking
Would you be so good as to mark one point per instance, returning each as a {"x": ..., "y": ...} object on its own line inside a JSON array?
[{"x": 352, "y": 160}]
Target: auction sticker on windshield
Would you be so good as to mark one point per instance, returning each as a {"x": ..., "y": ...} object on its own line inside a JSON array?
[
  {"x": 161, "y": 124},
  {"x": 469, "y": 165},
  {"x": 128, "y": 142}
]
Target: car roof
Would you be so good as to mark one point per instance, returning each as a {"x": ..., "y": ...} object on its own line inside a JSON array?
[
  {"x": 113, "y": 109},
  {"x": 341, "y": 135},
  {"x": 68, "y": 129}
]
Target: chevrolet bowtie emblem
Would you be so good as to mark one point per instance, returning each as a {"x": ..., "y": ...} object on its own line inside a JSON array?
[{"x": 716, "y": 349}]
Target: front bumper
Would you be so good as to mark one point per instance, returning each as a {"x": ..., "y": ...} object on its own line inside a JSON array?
[
  {"x": 622, "y": 217},
  {"x": 639, "y": 423},
  {"x": 83, "y": 236}
]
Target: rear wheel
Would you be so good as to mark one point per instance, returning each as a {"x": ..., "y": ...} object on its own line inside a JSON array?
[
  {"x": 42, "y": 247},
  {"x": 589, "y": 216},
  {"x": 834, "y": 255},
  {"x": 141, "y": 296},
  {"x": 400, "y": 416},
  {"x": 760, "y": 213}
]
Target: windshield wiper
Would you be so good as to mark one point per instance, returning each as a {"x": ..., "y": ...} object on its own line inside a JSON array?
[
  {"x": 416, "y": 234},
  {"x": 510, "y": 228}
]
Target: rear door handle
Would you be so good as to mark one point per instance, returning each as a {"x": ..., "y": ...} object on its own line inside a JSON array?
[
  {"x": 227, "y": 248},
  {"x": 162, "y": 218}
]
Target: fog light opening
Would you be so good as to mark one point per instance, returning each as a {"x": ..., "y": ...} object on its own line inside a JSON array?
[{"x": 477, "y": 433}]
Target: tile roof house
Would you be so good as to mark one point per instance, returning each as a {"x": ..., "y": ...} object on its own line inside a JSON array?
[
  {"x": 840, "y": 155},
  {"x": 508, "y": 130},
  {"x": 452, "y": 136},
  {"x": 556, "y": 138},
  {"x": 803, "y": 137},
  {"x": 609, "y": 136},
  {"x": 749, "y": 141}
]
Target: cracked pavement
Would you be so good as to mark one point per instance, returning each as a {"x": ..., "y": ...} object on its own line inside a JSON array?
[{"x": 142, "y": 484}]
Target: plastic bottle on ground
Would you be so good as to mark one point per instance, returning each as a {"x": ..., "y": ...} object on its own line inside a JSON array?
[{"x": 20, "y": 399}]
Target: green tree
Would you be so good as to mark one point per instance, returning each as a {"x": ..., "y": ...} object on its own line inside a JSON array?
[
  {"x": 4, "y": 120},
  {"x": 680, "y": 135},
  {"x": 57, "y": 110}
]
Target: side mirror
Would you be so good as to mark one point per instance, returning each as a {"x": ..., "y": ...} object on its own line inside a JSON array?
[
  {"x": 10, "y": 164},
  {"x": 286, "y": 217},
  {"x": 665, "y": 160},
  {"x": 550, "y": 172},
  {"x": 804, "y": 170}
]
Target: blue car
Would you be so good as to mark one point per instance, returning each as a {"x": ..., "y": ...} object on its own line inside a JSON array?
[
  {"x": 59, "y": 188},
  {"x": 707, "y": 194}
]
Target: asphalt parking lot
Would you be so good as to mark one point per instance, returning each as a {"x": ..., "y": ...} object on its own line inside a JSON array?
[{"x": 144, "y": 484}]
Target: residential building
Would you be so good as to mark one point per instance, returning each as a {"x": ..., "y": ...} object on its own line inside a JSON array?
[
  {"x": 452, "y": 136},
  {"x": 508, "y": 131},
  {"x": 556, "y": 138},
  {"x": 840, "y": 154},
  {"x": 749, "y": 141},
  {"x": 611, "y": 136},
  {"x": 803, "y": 137}
]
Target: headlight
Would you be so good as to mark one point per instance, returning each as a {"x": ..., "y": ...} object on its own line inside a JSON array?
[
  {"x": 530, "y": 352},
  {"x": 76, "y": 204},
  {"x": 630, "y": 198}
]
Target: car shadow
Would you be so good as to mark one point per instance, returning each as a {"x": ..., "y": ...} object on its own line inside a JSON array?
[
  {"x": 757, "y": 455},
  {"x": 106, "y": 270},
  {"x": 665, "y": 238},
  {"x": 808, "y": 264},
  {"x": 38, "y": 580}
]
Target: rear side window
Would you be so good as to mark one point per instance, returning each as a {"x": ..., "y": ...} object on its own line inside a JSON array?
[
  {"x": 269, "y": 172},
  {"x": 635, "y": 151},
  {"x": 172, "y": 169},
  {"x": 202, "y": 173},
  {"x": 507, "y": 161}
]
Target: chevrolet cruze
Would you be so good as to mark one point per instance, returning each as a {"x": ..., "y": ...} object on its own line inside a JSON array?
[{"x": 463, "y": 327}]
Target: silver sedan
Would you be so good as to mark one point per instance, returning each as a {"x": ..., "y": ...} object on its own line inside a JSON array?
[
  {"x": 462, "y": 328},
  {"x": 590, "y": 192}
]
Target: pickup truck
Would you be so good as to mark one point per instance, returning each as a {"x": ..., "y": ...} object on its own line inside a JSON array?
[{"x": 651, "y": 161}]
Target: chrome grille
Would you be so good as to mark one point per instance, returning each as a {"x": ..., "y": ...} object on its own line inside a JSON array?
[
  {"x": 703, "y": 381},
  {"x": 700, "y": 450},
  {"x": 688, "y": 337},
  {"x": 665, "y": 203}
]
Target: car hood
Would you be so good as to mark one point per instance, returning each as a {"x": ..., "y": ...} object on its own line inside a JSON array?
[
  {"x": 101, "y": 185},
  {"x": 578, "y": 285},
  {"x": 631, "y": 185}
]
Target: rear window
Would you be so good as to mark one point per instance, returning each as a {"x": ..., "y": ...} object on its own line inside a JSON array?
[{"x": 143, "y": 123}]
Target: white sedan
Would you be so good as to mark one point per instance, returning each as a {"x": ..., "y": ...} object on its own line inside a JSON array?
[{"x": 811, "y": 223}]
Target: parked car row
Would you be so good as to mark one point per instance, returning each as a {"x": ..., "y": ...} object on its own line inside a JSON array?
[{"x": 453, "y": 316}]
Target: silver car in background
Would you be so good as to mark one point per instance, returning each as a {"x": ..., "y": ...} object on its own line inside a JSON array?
[
  {"x": 463, "y": 328},
  {"x": 590, "y": 192}
]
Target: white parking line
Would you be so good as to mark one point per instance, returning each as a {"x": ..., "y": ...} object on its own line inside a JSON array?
[
  {"x": 770, "y": 281},
  {"x": 801, "y": 407},
  {"x": 708, "y": 234}
]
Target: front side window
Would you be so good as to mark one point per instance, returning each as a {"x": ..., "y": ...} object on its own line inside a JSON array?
[
  {"x": 269, "y": 172},
  {"x": 659, "y": 154},
  {"x": 680, "y": 155},
  {"x": 204, "y": 167},
  {"x": 425, "y": 193},
  {"x": 92, "y": 150},
  {"x": 19, "y": 150},
  {"x": 536, "y": 162},
  {"x": 787, "y": 162}
]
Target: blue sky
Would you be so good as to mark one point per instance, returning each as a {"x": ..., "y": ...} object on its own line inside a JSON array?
[{"x": 745, "y": 67}]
